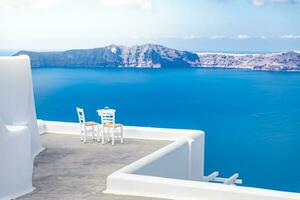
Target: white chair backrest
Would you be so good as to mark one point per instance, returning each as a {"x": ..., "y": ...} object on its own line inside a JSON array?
[
  {"x": 107, "y": 116},
  {"x": 80, "y": 113}
]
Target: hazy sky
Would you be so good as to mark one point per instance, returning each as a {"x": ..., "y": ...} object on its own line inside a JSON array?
[{"x": 204, "y": 25}]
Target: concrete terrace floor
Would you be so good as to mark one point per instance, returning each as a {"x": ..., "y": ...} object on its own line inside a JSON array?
[{"x": 68, "y": 169}]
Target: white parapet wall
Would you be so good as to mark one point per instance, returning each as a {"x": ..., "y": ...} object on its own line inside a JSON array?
[
  {"x": 19, "y": 136},
  {"x": 175, "y": 171}
]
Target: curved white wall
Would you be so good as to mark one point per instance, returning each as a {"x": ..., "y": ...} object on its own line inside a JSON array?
[
  {"x": 156, "y": 175},
  {"x": 19, "y": 136},
  {"x": 162, "y": 167}
]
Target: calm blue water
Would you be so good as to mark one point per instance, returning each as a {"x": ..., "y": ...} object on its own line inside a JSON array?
[{"x": 251, "y": 119}]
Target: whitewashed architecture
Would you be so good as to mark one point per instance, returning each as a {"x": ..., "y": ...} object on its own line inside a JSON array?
[
  {"x": 175, "y": 171},
  {"x": 19, "y": 136}
]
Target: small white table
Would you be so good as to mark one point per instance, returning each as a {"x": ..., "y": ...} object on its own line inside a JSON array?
[{"x": 106, "y": 111}]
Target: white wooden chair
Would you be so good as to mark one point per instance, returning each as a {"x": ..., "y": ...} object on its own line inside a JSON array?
[
  {"x": 108, "y": 122},
  {"x": 84, "y": 124}
]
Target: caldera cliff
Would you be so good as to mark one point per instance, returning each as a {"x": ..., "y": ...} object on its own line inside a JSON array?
[{"x": 158, "y": 56}]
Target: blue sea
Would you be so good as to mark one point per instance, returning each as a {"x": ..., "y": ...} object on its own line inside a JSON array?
[{"x": 251, "y": 119}]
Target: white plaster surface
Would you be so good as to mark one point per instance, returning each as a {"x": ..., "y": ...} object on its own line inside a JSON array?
[
  {"x": 174, "y": 171},
  {"x": 19, "y": 136}
]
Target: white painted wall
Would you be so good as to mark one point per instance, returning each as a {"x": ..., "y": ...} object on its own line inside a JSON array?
[
  {"x": 172, "y": 163},
  {"x": 19, "y": 137},
  {"x": 158, "y": 187},
  {"x": 171, "y": 172},
  {"x": 176, "y": 160},
  {"x": 186, "y": 152}
]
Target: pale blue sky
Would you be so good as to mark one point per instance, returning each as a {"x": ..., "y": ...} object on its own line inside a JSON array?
[{"x": 199, "y": 25}]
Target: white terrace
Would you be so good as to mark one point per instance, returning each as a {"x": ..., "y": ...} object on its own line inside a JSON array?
[{"x": 152, "y": 162}]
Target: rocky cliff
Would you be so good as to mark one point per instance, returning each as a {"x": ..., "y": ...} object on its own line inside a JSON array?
[
  {"x": 149, "y": 56},
  {"x": 267, "y": 62},
  {"x": 157, "y": 56}
]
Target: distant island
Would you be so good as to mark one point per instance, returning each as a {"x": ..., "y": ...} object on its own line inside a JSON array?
[{"x": 158, "y": 56}]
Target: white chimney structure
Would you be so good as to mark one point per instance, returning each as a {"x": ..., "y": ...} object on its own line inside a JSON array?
[{"x": 19, "y": 136}]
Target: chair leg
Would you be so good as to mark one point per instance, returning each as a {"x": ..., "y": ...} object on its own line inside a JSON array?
[
  {"x": 122, "y": 141},
  {"x": 113, "y": 136},
  {"x": 81, "y": 135},
  {"x": 93, "y": 133},
  {"x": 98, "y": 134},
  {"x": 84, "y": 137},
  {"x": 103, "y": 133}
]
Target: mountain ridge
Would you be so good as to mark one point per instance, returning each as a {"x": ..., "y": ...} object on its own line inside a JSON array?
[{"x": 158, "y": 56}]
